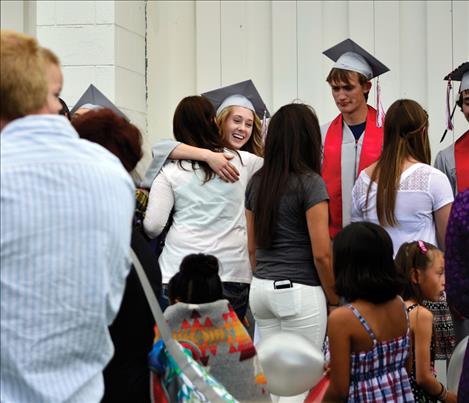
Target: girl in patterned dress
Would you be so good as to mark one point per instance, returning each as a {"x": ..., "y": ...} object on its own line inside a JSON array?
[
  {"x": 423, "y": 265},
  {"x": 368, "y": 337}
]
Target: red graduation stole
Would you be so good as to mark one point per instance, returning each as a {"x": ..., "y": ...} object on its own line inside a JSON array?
[
  {"x": 461, "y": 157},
  {"x": 331, "y": 166}
]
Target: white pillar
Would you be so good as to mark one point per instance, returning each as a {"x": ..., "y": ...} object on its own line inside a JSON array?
[{"x": 100, "y": 43}]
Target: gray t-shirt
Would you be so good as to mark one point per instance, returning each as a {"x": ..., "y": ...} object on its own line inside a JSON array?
[{"x": 290, "y": 255}]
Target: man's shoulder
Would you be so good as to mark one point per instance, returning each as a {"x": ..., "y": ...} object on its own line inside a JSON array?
[{"x": 445, "y": 158}]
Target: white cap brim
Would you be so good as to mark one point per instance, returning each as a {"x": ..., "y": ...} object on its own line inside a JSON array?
[{"x": 236, "y": 100}]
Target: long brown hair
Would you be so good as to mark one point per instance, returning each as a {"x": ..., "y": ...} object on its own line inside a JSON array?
[
  {"x": 405, "y": 136},
  {"x": 194, "y": 124},
  {"x": 292, "y": 146},
  {"x": 255, "y": 143}
]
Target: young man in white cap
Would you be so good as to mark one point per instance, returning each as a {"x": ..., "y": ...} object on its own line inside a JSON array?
[
  {"x": 354, "y": 139},
  {"x": 454, "y": 160}
]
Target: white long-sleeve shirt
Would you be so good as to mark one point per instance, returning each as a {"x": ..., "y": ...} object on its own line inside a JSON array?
[{"x": 208, "y": 217}]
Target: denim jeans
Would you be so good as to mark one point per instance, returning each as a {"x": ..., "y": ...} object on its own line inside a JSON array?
[
  {"x": 163, "y": 298},
  {"x": 238, "y": 296}
]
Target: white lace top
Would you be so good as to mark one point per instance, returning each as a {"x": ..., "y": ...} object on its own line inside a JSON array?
[{"x": 422, "y": 190}]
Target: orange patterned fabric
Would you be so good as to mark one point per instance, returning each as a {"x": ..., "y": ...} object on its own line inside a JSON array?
[{"x": 218, "y": 340}]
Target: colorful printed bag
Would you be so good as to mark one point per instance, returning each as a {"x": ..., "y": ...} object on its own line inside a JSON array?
[{"x": 182, "y": 379}]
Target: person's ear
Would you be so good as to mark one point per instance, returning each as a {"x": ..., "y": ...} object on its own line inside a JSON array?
[{"x": 367, "y": 87}]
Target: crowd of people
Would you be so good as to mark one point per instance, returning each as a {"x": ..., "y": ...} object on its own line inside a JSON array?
[{"x": 344, "y": 234}]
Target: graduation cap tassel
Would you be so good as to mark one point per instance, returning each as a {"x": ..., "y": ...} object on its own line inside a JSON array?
[
  {"x": 446, "y": 130},
  {"x": 379, "y": 106},
  {"x": 449, "y": 115}
]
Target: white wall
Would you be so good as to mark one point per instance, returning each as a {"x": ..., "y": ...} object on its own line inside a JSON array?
[
  {"x": 194, "y": 46},
  {"x": 100, "y": 43},
  {"x": 18, "y": 15}
]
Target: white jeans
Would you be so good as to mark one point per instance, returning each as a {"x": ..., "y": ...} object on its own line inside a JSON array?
[{"x": 301, "y": 309}]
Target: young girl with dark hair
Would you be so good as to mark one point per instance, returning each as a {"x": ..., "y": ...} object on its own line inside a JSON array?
[
  {"x": 197, "y": 281},
  {"x": 401, "y": 191},
  {"x": 206, "y": 324},
  {"x": 208, "y": 213},
  {"x": 423, "y": 267},
  {"x": 368, "y": 337}
]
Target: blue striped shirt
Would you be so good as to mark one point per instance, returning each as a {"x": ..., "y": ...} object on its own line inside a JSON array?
[{"x": 66, "y": 209}]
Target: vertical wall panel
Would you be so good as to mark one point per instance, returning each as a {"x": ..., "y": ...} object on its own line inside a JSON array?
[
  {"x": 335, "y": 15},
  {"x": 259, "y": 47},
  {"x": 208, "y": 57},
  {"x": 361, "y": 27},
  {"x": 387, "y": 27},
  {"x": 312, "y": 86},
  {"x": 284, "y": 53},
  {"x": 234, "y": 42},
  {"x": 413, "y": 50},
  {"x": 438, "y": 14},
  {"x": 171, "y": 53}
]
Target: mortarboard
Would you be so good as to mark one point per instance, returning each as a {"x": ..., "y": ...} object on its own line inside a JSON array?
[
  {"x": 348, "y": 55},
  {"x": 93, "y": 98},
  {"x": 461, "y": 73},
  {"x": 240, "y": 94}
]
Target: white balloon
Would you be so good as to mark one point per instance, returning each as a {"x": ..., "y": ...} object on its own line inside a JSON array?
[
  {"x": 455, "y": 365},
  {"x": 291, "y": 364}
]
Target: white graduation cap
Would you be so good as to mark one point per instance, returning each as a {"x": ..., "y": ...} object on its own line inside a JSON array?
[
  {"x": 242, "y": 94},
  {"x": 348, "y": 55},
  {"x": 94, "y": 99}
]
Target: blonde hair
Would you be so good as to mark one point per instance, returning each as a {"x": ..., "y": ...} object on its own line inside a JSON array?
[
  {"x": 23, "y": 83},
  {"x": 49, "y": 56},
  {"x": 255, "y": 144},
  {"x": 405, "y": 136}
]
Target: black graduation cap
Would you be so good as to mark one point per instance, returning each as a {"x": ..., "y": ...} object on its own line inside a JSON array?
[
  {"x": 461, "y": 73},
  {"x": 94, "y": 98},
  {"x": 348, "y": 55},
  {"x": 243, "y": 94}
]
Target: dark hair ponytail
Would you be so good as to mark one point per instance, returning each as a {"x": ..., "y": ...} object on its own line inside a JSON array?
[{"x": 197, "y": 281}]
